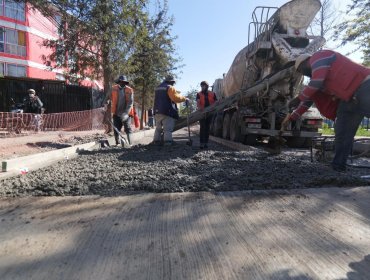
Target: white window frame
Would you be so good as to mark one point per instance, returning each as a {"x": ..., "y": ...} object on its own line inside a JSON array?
[
  {"x": 17, "y": 67},
  {"x": 12, "y": 48},
  {"x": 15, "y": 8}
]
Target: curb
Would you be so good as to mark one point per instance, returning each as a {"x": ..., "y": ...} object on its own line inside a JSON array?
[{"x": 33, "y": 162}]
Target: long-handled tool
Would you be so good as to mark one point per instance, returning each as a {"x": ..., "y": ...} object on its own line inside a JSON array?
[
  {"x": 122, "y": 139},
  {"x": 189, "y": 142}
]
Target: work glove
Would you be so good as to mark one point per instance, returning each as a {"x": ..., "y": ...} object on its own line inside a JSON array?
[
  {"x": 124, "y": 117},
  {"x": 285, "y": 123}
]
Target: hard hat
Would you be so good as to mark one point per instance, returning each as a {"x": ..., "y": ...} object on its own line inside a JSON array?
[
  {"x": 204, "y": 83},
  {"x": 301, "y": 58},
  {"x": 122, "y": 78},
  {"x": 31, "y": 91},
  {"x": 169, "y": 78}
]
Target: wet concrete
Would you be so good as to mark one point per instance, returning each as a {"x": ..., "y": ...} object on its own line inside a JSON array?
[{"x": 115, "y": 171}]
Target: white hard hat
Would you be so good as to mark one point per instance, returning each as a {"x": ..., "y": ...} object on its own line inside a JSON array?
[{"x": 300, "y": 59}]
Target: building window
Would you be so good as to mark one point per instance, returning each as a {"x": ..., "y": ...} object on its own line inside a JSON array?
[
  {"x": 13, "y": 41},
  {"x": 15, "y": 10},
  {"x": 1, "y": 7},
  {"x": 2, "y": 69},
  {"x": 16, "y": 70},
  {"x": 2, "y": 31}
]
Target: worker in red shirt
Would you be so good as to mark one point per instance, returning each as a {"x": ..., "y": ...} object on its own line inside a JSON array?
[
  {"x": 340, "y": 89},
  {"x": 204, "y": 99}
]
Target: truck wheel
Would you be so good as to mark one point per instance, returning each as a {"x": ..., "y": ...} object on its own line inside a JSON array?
[
  {"x": 298, "y": 142},
  {"x": 226, "y": 127},
  {"x": 234, "y": 128}
]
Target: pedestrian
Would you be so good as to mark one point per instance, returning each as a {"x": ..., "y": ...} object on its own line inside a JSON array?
[
  {"x": 166, "y": 111},
  {"x": 33, "y": 105},
  {"x": 340, "y": 89},
  {"x": 150, "y": 118},
  {"x": 204, "y": 99},
  {"x": 122, "y": 98}
]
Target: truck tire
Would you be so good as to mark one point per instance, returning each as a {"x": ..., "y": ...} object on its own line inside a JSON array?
[
  {"x": 235, "y": 128},
  {"x": 217, "y": 125},
  {"x": 226, "y": 127}
]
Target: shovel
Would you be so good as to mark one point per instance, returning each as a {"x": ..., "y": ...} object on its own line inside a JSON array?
[
  {"x": 275, "y": 143},
  {"x": 122, "y": 139},
  {"x": 189, "y": 142}
]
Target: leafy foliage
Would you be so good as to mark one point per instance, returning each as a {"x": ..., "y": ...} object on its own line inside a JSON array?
[
  {"x": 102, "y": 39},
  {"x": 357, "y": 28}
]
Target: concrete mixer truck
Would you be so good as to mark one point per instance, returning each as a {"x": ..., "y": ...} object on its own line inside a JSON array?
[{"x": 277, "y": 36}]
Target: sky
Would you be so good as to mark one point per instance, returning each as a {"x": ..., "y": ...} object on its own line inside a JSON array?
[{"x": 210, "y": 34}]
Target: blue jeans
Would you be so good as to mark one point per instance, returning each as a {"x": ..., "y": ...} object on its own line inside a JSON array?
[{"x": 349, "y": 117}]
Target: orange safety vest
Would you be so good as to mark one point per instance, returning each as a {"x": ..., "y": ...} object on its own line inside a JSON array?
[
  {"x": 202, "y": 98},
  {"x": 114, "y": 97}
]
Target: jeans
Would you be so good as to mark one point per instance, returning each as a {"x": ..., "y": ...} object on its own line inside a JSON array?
[
  {"x": 166, "y": 124},
  {"x": 349, "y": 117},
  {"x": 118, "y": 123},
  {"x": 204, "y": 130}
]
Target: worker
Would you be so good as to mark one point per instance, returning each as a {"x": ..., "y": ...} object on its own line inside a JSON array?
[
  {"x": 33, "y": 105},
  {"x": 340, "y": 89},
  {"x": 204, "y": 99},
  {"x": 150, "y": 118},
  {"x": 122, "y": 98},
  {"x": 166, "y": 111}
]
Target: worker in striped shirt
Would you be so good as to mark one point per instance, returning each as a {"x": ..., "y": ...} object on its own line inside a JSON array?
[{"x": 340, "y": 89}]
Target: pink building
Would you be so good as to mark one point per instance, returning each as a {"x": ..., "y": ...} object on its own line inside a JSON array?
[{"x": 22, "y": 31}]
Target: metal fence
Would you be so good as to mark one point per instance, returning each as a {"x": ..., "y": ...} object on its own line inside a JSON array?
[{"x": 56, "y": 96}]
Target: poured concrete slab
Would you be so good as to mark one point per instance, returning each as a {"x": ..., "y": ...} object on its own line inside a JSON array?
[{"x": 302, "y": 234}]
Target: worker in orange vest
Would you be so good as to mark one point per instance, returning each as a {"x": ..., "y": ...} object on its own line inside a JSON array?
[
  {"x": 122, "y": 107},
  {"x": 204, "y": 99}
]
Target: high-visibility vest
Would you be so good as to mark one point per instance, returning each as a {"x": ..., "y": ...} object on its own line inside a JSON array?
[
  {"x": 202, "y": 98},
  {"x": 115, "y": 93}
]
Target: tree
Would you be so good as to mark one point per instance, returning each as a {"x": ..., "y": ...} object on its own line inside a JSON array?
[
  {"x": 191, "y": 94},
  {"x": 356, "y": 29},
  {"x": 98, "y": 36},
  {"x": 325, "y": 21},
  {"x": 155, "y": 55}
]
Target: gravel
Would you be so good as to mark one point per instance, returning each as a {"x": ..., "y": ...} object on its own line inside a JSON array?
[{"x": 113, "y": 171}]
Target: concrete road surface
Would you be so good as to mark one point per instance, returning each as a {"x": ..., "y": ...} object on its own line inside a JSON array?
[{"x": 306, "y": 234}]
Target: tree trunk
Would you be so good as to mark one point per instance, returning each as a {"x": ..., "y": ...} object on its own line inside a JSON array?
[{"x": 143, "y": 94}]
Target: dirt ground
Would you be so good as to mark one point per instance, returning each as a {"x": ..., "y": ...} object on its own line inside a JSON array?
[
  {"x": 144, "y": 168},
  {"x": 45, "y": 141}
]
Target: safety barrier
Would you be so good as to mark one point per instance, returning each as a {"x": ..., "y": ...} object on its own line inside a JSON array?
[{"x": 19, "y": 123}]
